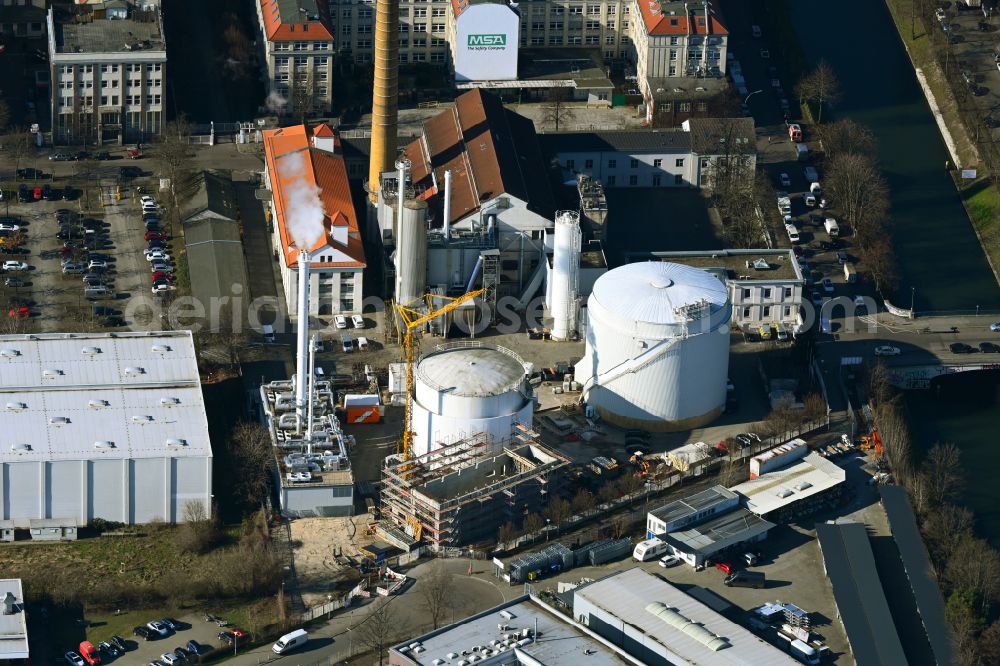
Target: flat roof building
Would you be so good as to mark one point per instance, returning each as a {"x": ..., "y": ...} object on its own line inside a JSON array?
[
  {"x": 781, "y": 494},
  {"x": 682, "y": 512},
  {"x": 697, "y": 543},
  {"x": 658, "y": 624},
  {"x": 13, "y": 626},
  {"x": 861, "y": 604},
  {"x": 102, "y": 425}
]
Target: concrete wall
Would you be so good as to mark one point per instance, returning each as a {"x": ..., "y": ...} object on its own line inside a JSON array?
[{"x": 128, "y": 491}]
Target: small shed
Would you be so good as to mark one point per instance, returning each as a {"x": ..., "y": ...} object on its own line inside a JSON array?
[
  {"x": 6, "y": 530},
  {"x": 53, "y": 529}
]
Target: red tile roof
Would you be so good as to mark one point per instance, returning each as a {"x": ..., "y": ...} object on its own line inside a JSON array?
[
  {"x": 328, "y": 172},
  {"x": 490, "y": 151},
  {"x": 292, "y": 27},
  {"x": 659, "y": 21}
]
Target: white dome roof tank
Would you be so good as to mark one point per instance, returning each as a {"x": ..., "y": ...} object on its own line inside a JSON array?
[{"x": 657, "y": 353}]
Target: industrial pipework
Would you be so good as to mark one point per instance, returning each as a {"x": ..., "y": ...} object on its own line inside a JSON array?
[
  {"x": 302, "y": 348},
  {"x": 385, "y": 92}
]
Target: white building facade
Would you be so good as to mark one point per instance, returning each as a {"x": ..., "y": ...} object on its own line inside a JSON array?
[
  {"x": 108, "y": 426},
  {"x": 108, "y": 89}
]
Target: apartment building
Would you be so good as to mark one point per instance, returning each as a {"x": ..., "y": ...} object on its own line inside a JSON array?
[
  {"x": 675, "y": 39},
  {"x": 22, "y": 18},
  {"x": 298, "y": 49},
  {"x": 108, "y": 66},
  {"x": 424, "y": 27}
]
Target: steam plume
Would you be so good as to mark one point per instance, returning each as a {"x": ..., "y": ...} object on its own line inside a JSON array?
[{"x": 304, "y": 209}]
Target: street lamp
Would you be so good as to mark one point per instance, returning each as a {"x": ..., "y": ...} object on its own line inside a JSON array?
[
  {"x": 913, "y": 297},
  {"x": 547, "y": 521},
  {"x": 747, "y": 100}
]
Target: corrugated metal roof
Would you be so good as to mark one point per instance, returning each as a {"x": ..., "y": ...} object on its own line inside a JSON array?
[
  {"x": 627, "y": 594},
  {"x": 718, "y": 533},
  {"x": 781, "y": 487},
  {"x": 93, "y": 396},
  {"x": 857, "y": 590},
  {"x": 652, "y": 292}
]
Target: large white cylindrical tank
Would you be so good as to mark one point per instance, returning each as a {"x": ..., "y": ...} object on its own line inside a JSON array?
[
  {"x": 464, "y": 389},
  {"x": 565, "y": 275},
  {"x": 657, "y": 353},
  {"x": 411, "y": 252}
]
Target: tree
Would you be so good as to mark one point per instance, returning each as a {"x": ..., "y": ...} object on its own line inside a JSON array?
[
  {"x": 860, "y": 192},
  {"x": 975, "y": 566},
  {"x": 4, "y": 114},
  {"x": 507, "y": 532},
  {"x": 819, "y": 86},
  {"x": 896, "y": 442},
  {"x": 556, "y": 110},
  {"x": 435, "y": 591},
  {"x": 879, "y": 256},
  {"x": 303, "y": 96},
  {"x": 944, "y": 472},
  {"x": 17, "y": 143},
  {"x": 729, "y": 471},
  {"x": 989, "y": 644},
  {"x": 846, "y": 136},
  {"x": 944, "y": 527},
  {"x": 629, "y": 484},
  {"x": 583, "y": 501},
  {"x": 376, "y": 630},
  {"x": 735, "y": 189},
  {"x": 608, "y": 492},
  {"x": 251, "y": 458},
  {"x": 199, "y": 533},
  {"x": 557, "y": 511},
  {"x": 960, "y": 613},
  {"x": 532, "y": 523}
]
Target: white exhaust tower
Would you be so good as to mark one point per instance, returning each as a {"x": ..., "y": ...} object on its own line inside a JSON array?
[
  {"x": 302, "y": 397},
  {"x": 564, "y": 299}
]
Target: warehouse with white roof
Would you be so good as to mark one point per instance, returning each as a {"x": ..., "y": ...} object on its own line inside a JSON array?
[{"x": 107, "y": 426}]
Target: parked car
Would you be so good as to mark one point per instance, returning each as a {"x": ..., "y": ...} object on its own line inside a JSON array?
[
  {"x": 158, "y": 254},
  {"x": 989, "y": 348},
  {"x": 155, "y": 235},
  {"x": 104, "y": 311},
  {"x": 158, "y": 627},
  {"x": 90, "y": 653},
  {"x": 96, "y": 264},
  {"x": 30, "y": 173},
  {"x": 24, "y": 194},
  {"x": 144, "y": 633},
  {"x": 784, "y": 180},
  {"x": 14, "y": 266},
  {"x": 19, "y": 312},
  {"x": 340, "y": 321},
  {"x": 158, "y": 266},
  {"x": 995, "y": 327},
  {"x": 358, "y": 321},
  {"x": 119, "y": 643},
  {"x": 111, "y": 650},
  {"x": 169, "y": 658},
  {"x": 36, "y": 194},
  {"x": 961, "y": 348},
  {"x": 828, "y": 285},
  {"x": 842, "y": 258},
  {"x": 61, "y": 157},
  {"x": 157, "y": 245},
  {"x": 194, "y": 647},
  {"x": 669, "y": 561},
  {"x": 102, "y": 155},
  {"x": 69, "y": 193},
  {"x": 725, "y": 567},
  {"x": 169, "y": 277},
  {"x": 162, "y": 288},
  {"x": 14, "y": 282},
  {"x": 73, "y": 659},
  {"x": 9, "y": 228},
  {"x": 887, "y": 350}
]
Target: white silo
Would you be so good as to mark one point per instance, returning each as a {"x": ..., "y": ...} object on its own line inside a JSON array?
[
  {"x": 411, "y": 235},
  {"x": 657, "y": 353},
  {"x": 467, "y": 388},
  {"x": 564, "y": 302}
]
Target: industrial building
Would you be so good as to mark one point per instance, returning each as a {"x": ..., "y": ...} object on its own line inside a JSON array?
[
  {"x": 298, "y": 53},
  {"x": 311, "y": 157},
  {"x": 108, "y": 66},
  {"x": 462, "y": 493},
  {"x": 657, "y": 352},
  {"x": 679, "y": 513},
  {"x": 466, "y": 388},
  {"x": 676, "y": 157},
  {"x": 476, "y": 187},
  {"x": 13, "y": 624},
  {"x": 765, "y": 286},
  {"x": 660, "y": 625},
  {"x": 798, "y": 488},
  {"x": 107, "y": 426},
  {"x": 861, "y": 604}
]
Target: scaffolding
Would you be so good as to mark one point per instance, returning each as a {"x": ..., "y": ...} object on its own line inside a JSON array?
[
  {"x": 491, "y": 279},
  {"x": 465, "y": 490}
]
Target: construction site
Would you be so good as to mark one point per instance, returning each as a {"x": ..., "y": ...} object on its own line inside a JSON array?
[{"x": 462, "y": 493}]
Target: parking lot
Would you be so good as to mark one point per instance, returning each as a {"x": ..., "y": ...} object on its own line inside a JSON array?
[
  {"x": 56, "y": 299},
  {"x": 190, "y": 628},
  {"x": 974, "y": 45}
]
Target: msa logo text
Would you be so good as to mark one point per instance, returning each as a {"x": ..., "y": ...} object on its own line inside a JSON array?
[{"x": 487, "y": 40}]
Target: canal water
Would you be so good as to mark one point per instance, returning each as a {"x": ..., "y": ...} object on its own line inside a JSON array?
[{"x": 938, "y": 252}]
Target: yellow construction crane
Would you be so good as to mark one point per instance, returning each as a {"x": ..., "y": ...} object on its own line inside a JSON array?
[{"x": 412, "y": 319}]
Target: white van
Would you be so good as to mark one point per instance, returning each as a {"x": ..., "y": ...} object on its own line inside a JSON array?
[
  {"x": 649, "y": 549},
  {"x": 793, "y": 233},
  {"x": 268, "y": 333},
  {"x": 290, "y": 641},
  {"x": 832, "y": 229}
]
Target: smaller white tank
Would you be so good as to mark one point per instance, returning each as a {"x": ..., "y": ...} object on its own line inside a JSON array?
[
  {"x": 466, "y": 388},
  {"x": 564, "y": 303}
]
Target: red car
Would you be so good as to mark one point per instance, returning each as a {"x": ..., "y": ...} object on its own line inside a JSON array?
[
  {"x": 37, "y": 194},
  {"x": 19, "y": 313},
  {"x": 155, "y": 235},
  {"x": 725, "y": 567},
  {"x": 90, "y": 653},
  {"x": 162, "y": 275}
]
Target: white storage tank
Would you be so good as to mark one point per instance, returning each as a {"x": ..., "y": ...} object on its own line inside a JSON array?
[
  {"x": 462, "y": 389},
  {"x": 564, "y": 304},
  {"x": 657, "y": 353}
]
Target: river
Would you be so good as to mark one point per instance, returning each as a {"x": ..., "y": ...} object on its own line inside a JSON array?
[{"x": 939, "y": 254}]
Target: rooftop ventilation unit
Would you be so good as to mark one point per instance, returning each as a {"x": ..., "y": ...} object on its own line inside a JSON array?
[
  {"x": 161, "y": 349},
  {"x": 90, "y": 351},
  {"x": 169, "y": 402},
  {"x": 20, "y": 448},
  {"x": 783, "y": 493},
  {"x": 9, "y": 353},
  {"x": 142, "y": 419},
  {"x": 98, "y": 404},
  {"x": 134, "y": 371},
  {"x": 51, "y": 372},
  {"x": 16, "y": 406},
  {"x": 59, "y": 420},
  {"x": 104, "y": 444},
  {"x": 177, "y": 442}
]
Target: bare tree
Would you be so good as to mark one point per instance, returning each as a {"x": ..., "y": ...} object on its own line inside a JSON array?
[
  {"x": 820, "y": 87},
  {"x": 861, "y": 193},
  {"x": 199, "y": 532},
  {"x": 896, "y": 441},
  {"x": 435, "y": 590},
  {"x": 557, "y": 511},
  {"x": 556, "y": 110},
  {"x": 879, "y": 256},
  {"x": 376, "y": 630},
  {"x": 532, "y": 523},
  {"x": 729, "y": 471},
  {"x": 846, "y": 136},
  {"x": 252, "y": 460},
  {"x": 989, "y": 643},
  {"x": 734, "y": 187},
  {"x": 4, "y": 114},
  {"x": 303, "y": 96},
  {"x": 17, "y": 143},
  {"x": 944, "y": 472},
  {"x": 944, "y": 527},
  {"x": 507, "y": 532},
  {"x": 583, "y": 501}
]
